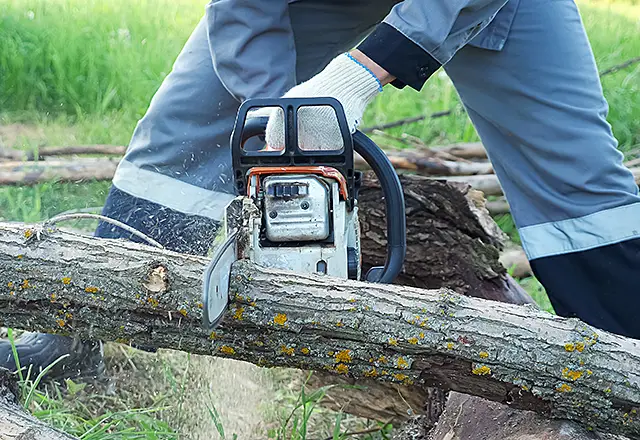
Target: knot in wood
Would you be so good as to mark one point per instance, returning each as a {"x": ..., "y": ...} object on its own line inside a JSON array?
[{"x": 157, "y": 279}]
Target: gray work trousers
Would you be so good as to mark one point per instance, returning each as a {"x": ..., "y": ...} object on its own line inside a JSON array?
[{"x": 536, "y": 103}]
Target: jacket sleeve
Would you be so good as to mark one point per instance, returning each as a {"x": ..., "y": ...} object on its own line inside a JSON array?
[
  {"x": 252, "y": 46},
  {"x": 417, "y": 37}
]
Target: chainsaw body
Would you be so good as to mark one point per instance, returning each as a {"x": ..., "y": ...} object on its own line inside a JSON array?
[
  {"x": 304, "y": 225},
  {"x": 304, "y": 213}
]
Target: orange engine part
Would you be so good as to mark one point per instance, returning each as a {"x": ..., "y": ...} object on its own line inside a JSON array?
[{"x": 320, "y": 170}]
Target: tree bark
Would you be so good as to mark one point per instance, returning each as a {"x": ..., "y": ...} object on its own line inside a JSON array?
[
  {"x": 472, "y": 418},
  {"x": 15, "y": 423},
  {"x": 529, "y": 359},
  {"x": 452, "y": 241}
]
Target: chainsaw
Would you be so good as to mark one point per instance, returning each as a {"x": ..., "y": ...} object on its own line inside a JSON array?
[{"x": 297, "y": 204}]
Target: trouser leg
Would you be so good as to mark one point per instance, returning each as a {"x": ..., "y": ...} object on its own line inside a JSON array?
[
  {"x": 539, "y": 109},
  {"x": 175, "y": 178}
]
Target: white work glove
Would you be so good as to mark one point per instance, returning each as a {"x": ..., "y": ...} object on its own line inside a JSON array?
[{"x": 344, "y": 79}]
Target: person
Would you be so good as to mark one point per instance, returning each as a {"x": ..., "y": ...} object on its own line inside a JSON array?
[{"x": 524, "y": 71}]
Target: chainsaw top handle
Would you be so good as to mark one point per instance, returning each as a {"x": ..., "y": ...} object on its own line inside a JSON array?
[
  {"x": 342, "y": 160},
  {"x": 394, "y": 208}
]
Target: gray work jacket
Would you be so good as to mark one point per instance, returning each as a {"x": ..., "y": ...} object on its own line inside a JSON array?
[{"x": 412, "y": 42}]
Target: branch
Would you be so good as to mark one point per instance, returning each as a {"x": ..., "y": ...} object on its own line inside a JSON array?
[
  {"x": 405, "y": 121},
  {"x": 114, "y": 290},
  {"x": 620, "y": 66}
]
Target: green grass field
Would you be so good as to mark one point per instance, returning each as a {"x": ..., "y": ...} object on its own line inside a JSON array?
[{"x": 84, "y": 71}]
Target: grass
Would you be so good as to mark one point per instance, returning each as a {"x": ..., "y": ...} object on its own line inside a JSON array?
[
  {"x": 63, "y": 408},
  {"x": 83, "y": 72}
]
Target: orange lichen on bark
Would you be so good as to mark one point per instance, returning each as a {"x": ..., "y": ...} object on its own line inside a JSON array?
[
  {"x": 227, "y": 350},
  {"x": 287, "y": 350},
  {"x": 280, "y": 318},
  {"x": 371, "y": 373},
  {"x": 343, "y": 356},
  {"x": 342, "y": 369},
  {"x": 482, "y": 370},
  {"x": 571, "y": 374}
]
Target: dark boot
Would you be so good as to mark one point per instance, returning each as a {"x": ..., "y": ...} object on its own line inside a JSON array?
[{"x": 39, "y": 350}]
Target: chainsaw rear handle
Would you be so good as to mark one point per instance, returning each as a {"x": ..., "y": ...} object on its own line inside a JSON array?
[{"x": 393, "y": 197}]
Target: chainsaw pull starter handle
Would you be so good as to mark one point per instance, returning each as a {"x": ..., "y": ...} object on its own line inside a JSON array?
[{"x": 394, "y": 209}]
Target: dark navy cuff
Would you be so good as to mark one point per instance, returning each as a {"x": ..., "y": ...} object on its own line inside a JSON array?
[{"x": 409, "y": 63}]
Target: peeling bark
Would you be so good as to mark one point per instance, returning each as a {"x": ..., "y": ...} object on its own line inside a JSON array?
[{"x": 529, "y": 359}]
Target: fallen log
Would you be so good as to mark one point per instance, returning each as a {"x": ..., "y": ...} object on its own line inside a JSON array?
[
  {"x": 421, "y": 162},
  {"x": 518, "y": 355},
  {"x": 496, "y": 207},
  {"x": 32, "y": 173},
  {"x": 52, "y": 151},
  {"x": 15, "y": 422},
  {"x": 471, "y": 150},
  {"x": 490, "y": 185},
  {"x": 452, "y": 242},
  {"x": 472, "y": 418}
]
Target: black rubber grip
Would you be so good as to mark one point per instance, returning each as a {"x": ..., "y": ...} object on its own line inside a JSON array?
[{"x": 394, "y": 208}]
